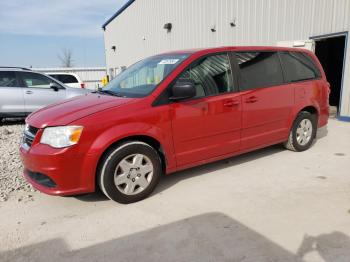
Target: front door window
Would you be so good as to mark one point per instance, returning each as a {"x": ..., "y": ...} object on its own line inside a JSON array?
[
  {"x": 211, "y": 75},
  {"x": 33, "y": 80}
]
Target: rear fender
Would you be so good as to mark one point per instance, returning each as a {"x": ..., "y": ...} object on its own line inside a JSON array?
[{"x": 298, "y": 108}]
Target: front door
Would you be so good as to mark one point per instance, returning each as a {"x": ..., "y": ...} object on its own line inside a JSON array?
[
  {"x": 37, "y": 93},
  {"x": 209, "y": 124}
]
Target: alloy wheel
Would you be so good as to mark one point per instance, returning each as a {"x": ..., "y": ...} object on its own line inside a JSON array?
[{"x": 133, "y": 174}]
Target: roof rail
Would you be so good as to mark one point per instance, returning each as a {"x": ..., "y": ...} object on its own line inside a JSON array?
[{"x": 17, "y": 67}]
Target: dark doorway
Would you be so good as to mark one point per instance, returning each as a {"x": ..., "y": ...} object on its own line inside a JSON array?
[{"x": 330, "y": 51}]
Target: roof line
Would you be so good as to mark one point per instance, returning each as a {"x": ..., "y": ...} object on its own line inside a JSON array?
[{"x": 121, "y": 10}]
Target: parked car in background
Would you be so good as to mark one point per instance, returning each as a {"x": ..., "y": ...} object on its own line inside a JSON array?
[
  {"x": 174, "y": 111},
  {"x": 69, "y": 79},
  {"x": 23, "y": 91}
]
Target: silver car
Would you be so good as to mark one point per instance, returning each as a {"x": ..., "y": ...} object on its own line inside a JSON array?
[{"x": 23, "y": 91}]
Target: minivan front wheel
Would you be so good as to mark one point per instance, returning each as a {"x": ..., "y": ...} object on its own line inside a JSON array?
[
  {"x": 129, "y": 172},
  {"x": 302, "y": 133}
]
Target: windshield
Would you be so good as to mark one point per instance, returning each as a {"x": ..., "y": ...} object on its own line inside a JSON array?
[{"x": 142, "y": 78}]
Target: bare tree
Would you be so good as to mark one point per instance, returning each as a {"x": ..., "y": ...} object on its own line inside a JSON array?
[{"x": 66, "y": 57}]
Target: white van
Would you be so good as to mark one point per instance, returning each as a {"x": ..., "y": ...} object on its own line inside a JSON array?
[{"x": 69, "y": 79}]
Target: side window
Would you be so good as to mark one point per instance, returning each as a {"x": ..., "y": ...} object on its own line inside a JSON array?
[
  {"x": 34, "y": 80},
  {"x": 8, "y": 79},
  {"x": 211, "y": 75},
  {"x": 259, "y": 69},
  {"x": 67, "y": 79},
  {"x": 56, "y": 77},
  {"x": 298, "y": 66}
]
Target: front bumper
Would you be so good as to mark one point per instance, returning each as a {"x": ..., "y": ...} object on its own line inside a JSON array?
[{"x": 71, "y": 171}]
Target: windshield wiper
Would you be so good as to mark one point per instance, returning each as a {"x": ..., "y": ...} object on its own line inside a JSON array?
[{"x": 108, "y": 92}]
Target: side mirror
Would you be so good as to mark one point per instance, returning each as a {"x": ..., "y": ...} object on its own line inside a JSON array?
[
  {"x": 183, "y": 89},
  {"x": 55, "y": 86}
]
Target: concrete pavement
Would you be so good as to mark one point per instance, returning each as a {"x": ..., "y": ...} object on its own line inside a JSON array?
[{"x": 268, "y": 205}]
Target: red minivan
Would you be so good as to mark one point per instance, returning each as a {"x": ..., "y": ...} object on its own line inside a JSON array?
[{"x": 174, "y": 111}]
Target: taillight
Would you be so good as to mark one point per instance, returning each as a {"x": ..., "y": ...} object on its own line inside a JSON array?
[{"x": 82, "y": 85}]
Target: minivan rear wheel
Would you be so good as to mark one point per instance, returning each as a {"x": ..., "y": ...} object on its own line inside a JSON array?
[
  {"x": 302, "y": 133},
  {"x": 129, "y": 172}
]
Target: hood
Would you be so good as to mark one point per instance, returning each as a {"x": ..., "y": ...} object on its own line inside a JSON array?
[{"x": 67, "y": 111}]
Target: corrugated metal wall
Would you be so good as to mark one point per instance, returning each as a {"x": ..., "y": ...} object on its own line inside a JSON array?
[
  {"x": 138, "y": 31},
  {"x": 91, "y": 76}
]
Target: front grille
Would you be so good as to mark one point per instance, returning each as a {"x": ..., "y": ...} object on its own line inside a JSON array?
[
  {"x": 29, "y": 135},
  {"x": 33, "y": 130}
]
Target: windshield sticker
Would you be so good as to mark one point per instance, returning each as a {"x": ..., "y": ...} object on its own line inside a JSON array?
[{"x": 168, "y": 61}]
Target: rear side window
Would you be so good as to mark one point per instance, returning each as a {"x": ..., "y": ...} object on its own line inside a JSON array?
[
  {"x": 259, "y": 69},
  {"x": 298, "y": 66},
  {"x": 211, "y": 75},
  {"x": 65, "y": 78},
  {"x": 8, "y": 79}
]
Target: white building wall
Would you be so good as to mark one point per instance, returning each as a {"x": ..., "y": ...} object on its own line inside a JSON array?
[{"x": 138, "y": 31}]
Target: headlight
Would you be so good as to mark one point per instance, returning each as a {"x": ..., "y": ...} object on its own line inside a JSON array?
[{"x": 61, "y": 136}]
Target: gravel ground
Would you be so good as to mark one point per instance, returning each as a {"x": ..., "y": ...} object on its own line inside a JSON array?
[{"x": 11, "y": 177}]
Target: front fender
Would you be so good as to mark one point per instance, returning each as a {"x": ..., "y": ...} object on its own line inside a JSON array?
[{"x": 123, "y": 131}]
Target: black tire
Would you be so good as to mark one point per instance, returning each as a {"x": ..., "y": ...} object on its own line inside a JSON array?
[
  {"x": 110, "y": 163},
  {"x": 292, "y": 142}
]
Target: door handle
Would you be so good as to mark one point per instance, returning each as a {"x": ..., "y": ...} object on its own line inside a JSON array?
[
  {"x": 29, "y": 92},
  {"x": 251, "y": 99},
  {"x": 231, "y": 103}
]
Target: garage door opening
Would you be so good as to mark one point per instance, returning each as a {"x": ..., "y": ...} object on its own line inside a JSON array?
[{"x": 331, "y": 51}]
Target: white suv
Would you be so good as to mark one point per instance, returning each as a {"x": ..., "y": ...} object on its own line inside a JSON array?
[
  {"x": 69, "y": 79},
  {"x": 23, "y": 91}
]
